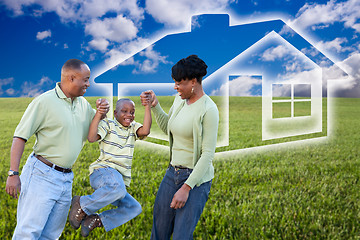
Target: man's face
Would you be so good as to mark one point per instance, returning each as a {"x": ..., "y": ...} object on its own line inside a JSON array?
[
  {"x": 125, "y": 113},
  {"x": 80, "y": 81}
]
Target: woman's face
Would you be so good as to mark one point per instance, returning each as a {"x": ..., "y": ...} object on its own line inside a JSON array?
[{"x": 184, "y": 88}]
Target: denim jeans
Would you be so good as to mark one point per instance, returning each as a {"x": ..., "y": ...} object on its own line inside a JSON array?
[
  {"x": 109, "y": 188},
  {"x": 181, "y": 222},
  {"x": 44, "y": 201}
]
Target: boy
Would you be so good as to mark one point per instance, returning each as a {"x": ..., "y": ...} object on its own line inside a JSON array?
[{"x": 111, "y": 173}]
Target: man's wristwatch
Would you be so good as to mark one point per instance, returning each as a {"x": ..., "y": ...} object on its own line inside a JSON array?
[{"x": 12, "y": 173}]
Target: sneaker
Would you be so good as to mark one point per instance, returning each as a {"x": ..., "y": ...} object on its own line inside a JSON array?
[
  {"x": 76, "y": 214},
  {"x": 90, "y": 222}
]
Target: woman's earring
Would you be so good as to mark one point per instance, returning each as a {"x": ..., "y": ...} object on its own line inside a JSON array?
[{"x": 192, "y": 90}]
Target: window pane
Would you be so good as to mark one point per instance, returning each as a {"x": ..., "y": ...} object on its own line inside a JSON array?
[
  {"x": 281, "y": 91},
  {"x": 302, "y": 91},
  {"x": 302, "y": 109},
  {"x": 281, "y": 109}
]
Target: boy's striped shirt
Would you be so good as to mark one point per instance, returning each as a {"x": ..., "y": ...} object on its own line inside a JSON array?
[{"x": 116, "y": 147}]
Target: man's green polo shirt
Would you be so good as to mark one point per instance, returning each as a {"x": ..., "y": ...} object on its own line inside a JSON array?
[{"x": 60, "y": 126}]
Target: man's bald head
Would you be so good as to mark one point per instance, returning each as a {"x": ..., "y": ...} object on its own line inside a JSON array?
[{"x": 72, "y": 64}]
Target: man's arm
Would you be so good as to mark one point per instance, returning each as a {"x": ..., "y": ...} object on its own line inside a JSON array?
[
  {"x": 145, "y": 129},
  {"x": 13, "y": 184}
]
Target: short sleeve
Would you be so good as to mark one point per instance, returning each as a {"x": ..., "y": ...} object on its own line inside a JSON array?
[
  {"x": 31, "y": 121},
  {"x": 103, "y": 128},
  {"x": 136, "y": 127}
]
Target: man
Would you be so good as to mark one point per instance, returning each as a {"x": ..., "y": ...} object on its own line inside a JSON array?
[{"x": 60, "y": 120}]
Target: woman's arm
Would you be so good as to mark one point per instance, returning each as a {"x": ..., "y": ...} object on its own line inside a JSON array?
[{"x": 160, "y": 116}]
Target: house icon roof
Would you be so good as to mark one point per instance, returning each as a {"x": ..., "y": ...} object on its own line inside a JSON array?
[
  {"x": 219, "y": 44},
  {"x": 214, "y": 40}
]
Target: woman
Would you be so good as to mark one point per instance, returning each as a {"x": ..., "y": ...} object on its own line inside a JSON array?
[{"x": 192, "y": 125}]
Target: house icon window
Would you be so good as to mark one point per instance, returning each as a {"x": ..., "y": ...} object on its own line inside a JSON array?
[{"x": 291, "y": 100}]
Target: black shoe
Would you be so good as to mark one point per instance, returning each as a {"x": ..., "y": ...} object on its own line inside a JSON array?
[
  {"x": 90, "y": 222},
  {"x": 76, "y": 214}
]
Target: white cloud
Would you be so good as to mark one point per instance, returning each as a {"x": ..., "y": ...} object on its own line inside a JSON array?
[
  {"x": 66, "y": 46},
  {"x": 341, "y": 86},
  {"x": 30, "y": 89},
  {"x": 334, "y": 44},
  {"x": 5, "y": 82},
  {"x": 241, "y": 86},
  {"x": 323, "y": 15},
  {"x": 77, "y": 10},
  {"x": 44, "y": 34},
  {"x": 99, "y": 44},
  {"x": 275, "y": 53},
  {"x": 351, "y": 86},
  {"x": 125, "y": 51},
  {"x": 89, "y": 13},
  {"x": 152, "y": 61},
  {"x": 99, "y": 8},
  {"x": 10, "y": 92},
  {"x": 178, "y": 13},
  {"x": 116, "y": 29}
]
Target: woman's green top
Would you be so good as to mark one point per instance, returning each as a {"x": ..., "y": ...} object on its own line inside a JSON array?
[{"x": 203, "y": 123}]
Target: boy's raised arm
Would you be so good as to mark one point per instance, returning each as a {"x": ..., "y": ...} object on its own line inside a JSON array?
[
  {"x": 100, "y": 113},
  {"x": 145, "y": 129}
]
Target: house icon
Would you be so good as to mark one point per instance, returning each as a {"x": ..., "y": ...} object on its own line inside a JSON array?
[{"x": 268, "y": 59}]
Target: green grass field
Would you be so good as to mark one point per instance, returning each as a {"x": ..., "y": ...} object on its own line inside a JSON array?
[{"x": 296, "y": 192}]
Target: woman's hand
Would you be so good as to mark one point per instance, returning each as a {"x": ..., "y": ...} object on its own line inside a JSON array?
[
  {"x": 149, "y": 97},
  {"x": 180, "y": 197}
]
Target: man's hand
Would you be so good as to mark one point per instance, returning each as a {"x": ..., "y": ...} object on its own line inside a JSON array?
[
  {"x": 102, "y": 106},
  {"x": 13, "y": 185},
  {"x": 180, "y": 197}
]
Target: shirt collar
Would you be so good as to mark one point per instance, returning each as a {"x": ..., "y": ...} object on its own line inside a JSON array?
[
  {"x": 61, "y": 94},
  {"x": 123, "y": 127}
]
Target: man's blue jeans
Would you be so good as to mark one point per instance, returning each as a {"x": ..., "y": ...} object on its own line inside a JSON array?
[
  {"x": 109, "y": 188},
  {"x": 44, "y": 201},
  {"x": 180, "y": 222}
]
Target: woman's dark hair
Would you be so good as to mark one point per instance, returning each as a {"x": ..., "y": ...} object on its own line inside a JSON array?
[{"x": 189, "y": 68}]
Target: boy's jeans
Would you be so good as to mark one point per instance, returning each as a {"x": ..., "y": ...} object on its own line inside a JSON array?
[
  {"x": 180, "y": 222},
  {"x": 109, "y": 188},
  {"x": 44, "y": 201}
]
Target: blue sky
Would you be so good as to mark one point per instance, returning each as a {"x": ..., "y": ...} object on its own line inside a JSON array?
[{"x": 38, "y": 36}]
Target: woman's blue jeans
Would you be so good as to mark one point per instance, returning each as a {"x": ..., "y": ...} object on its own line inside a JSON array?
[
  {"x": 109, "y": 188},
  {"x": 181, "y": 222}
]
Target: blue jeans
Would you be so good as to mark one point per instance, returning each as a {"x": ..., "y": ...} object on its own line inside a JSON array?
[
  {"x": 109, "y": 188},
  {"x": 44, "y": 201},
  {"x": 180, "y": 222}
]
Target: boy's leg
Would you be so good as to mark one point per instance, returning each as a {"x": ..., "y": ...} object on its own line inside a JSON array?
[
  {"x": 127, "y": 209},
  {"x": 108, "y": 186}
]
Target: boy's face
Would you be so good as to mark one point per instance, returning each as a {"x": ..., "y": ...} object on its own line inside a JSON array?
[{"x": 125, "y": 113}]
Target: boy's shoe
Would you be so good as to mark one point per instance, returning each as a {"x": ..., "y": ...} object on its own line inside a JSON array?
[
  {"x": 76, "y": 214},
  {"x": 90, "y": 222}
]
